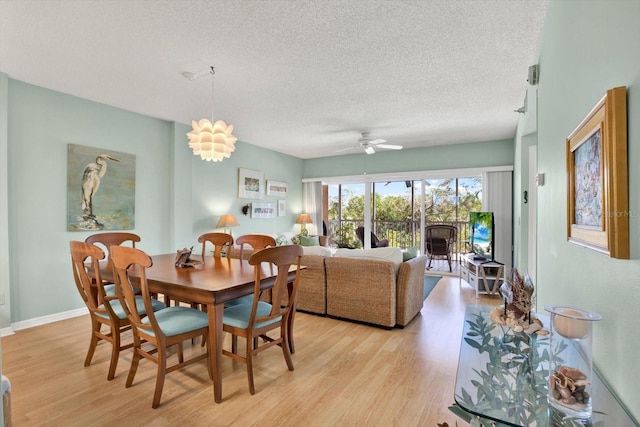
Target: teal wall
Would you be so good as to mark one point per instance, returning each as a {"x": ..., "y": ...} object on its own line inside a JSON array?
[
  {"x": 587, "y": 48},
  {"x": 178, "y": 195},
  {"x": 458, "y": 156}
]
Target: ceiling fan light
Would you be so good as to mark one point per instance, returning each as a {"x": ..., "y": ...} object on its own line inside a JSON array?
[{"x": 369, "y": 150}]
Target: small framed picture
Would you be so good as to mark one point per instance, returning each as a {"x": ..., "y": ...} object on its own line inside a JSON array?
[
  {"x": 276, "y": 188},
  {"x": 250, "y": 184},
  {"x": 263, "y": 210},
  {"x": 282, "y": 208}
]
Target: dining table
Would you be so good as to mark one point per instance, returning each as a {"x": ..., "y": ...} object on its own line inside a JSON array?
[{"x": 209, "y": 281}]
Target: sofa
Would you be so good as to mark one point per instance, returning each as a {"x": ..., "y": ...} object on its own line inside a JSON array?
[
  {"x": 373, "y": 286},
  {"x": 362, "y": 285}
]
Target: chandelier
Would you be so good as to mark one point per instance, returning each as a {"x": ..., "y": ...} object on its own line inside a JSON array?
[{"x": 211, "y": 141}]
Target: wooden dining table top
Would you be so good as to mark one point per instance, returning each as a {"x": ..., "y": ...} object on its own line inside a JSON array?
[{"x": 214, "y": 280}]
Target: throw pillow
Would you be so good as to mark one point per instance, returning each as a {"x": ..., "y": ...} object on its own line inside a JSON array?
[
  {"x": 409, "y": 254},
  {"x": 283, "y": 239},
  {"x": 309, "y": 241}
]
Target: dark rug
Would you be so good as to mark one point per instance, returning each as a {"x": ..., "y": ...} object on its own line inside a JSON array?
[{"x": 430, "y": 283}]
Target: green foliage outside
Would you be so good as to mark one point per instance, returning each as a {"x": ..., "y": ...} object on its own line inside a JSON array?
[{"x": 395, "y": 217}]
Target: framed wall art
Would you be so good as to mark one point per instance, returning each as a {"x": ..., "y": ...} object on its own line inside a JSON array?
[
  {"x": 250, "y": 184},
  {"x": 101, "y": 189},
  {"x": 282, "y": 208},
  {"x": 263, "y": 210},
  {"x": 276, "y": 188},
  {"x": 597, "y": 190}
]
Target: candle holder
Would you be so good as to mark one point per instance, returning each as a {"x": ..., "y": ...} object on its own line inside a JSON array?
[{"x": 571, "y": 360}]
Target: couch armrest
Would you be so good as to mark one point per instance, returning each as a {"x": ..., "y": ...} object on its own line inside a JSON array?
[
  {"x": 312, "y": 290},
  {"x": 362, "y": 290},
  {"x": 410, "y": 289}
]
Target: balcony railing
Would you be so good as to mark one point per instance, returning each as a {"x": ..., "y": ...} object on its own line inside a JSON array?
[{"x": 401, "y": 234}]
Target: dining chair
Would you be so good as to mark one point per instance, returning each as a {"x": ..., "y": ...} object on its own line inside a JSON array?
[
  {"x": 260, "y": 317},
  {"x": 219, "y": 240},
  {"x": 256, "y": 241},
  {"x": 108, "y": 313},
  {"x": 161, "y": 329},
  {"x": 105, "y": 241}
]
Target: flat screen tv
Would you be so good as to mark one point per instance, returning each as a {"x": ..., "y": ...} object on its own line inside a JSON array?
[{"x": 481, "y": 235}]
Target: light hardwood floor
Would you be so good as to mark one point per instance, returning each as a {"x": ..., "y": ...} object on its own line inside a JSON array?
[{"x": 346, "y": 374}]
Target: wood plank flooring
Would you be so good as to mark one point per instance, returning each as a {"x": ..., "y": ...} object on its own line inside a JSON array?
[{"x": 346, "y": 374}]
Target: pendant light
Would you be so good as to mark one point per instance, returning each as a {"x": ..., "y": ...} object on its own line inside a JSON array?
[{"x": 211, "y": 141}]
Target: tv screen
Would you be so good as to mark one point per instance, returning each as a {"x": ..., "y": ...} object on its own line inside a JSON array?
[{"x": 481, "y": 234}]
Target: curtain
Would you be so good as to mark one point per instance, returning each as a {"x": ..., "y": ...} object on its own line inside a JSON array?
[
  {"x": 312, "y": 205},
  {"x": 498, "y": 198}
]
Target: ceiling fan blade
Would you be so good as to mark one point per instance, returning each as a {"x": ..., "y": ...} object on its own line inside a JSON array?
[
  {"x": 369, "y": 150},
  {"x": 390, "y": 147},
  {"x": 377, "y": 141}
]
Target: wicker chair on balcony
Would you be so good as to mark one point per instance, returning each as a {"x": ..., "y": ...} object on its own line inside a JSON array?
[
  {"x": 439, "y": 241},
  {"x": 375, "y": 242}
]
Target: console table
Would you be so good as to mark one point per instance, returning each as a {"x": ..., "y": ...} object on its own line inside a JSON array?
[
  {"x": 483, "y": 275},
  {"x": 503, "y": 378}
]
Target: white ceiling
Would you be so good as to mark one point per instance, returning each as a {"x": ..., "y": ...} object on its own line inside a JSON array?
[{"x": 302, "y": 77}]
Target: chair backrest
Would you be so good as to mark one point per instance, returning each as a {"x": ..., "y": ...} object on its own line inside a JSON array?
[
  {"x": 282, "y": 257},
  {"x": 374, "y": 238},
  {"x": 256, "y": 241},
  {"x": 442, "y": 232},
  {"x": 218, "y": 240},
  {"x": 123, "y": 259},
  {"x": 113, "y": 239},
  {"x": 80, "y": 251}
]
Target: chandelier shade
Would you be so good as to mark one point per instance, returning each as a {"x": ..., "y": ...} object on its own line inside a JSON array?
[{"x": 212, "y": 141}]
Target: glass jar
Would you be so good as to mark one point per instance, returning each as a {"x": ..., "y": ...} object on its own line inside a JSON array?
[{"x": 571, "y": 360}]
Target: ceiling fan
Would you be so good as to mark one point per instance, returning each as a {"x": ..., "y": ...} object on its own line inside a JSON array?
[{"x": 368, "y": 144}]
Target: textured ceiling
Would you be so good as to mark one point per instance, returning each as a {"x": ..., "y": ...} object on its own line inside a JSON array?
[{"x": 300, "y": 77}]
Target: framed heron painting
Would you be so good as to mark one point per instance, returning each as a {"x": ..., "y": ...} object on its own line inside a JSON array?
[{"x": 100, "y": 189}]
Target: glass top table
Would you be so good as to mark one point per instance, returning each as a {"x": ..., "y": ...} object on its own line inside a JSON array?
[{"x": 503, "y": 378}]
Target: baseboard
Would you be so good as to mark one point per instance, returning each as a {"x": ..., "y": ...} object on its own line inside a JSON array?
[{"x": 38, "y": 321}]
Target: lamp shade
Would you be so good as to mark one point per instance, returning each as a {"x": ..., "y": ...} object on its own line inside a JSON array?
[
  {"x": 227, "y": 221},
  {"x": 304, "y": 219},
  {"x": 212, "y": 141}
]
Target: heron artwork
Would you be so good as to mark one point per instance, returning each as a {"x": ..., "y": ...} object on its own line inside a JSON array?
[{"x": 93, "y": 173}]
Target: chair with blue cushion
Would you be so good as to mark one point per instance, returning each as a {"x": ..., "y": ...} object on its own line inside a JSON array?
[
  {"x": 109, "y": 313},
  {"x": 105, "y": 241},
  {"x": 161, "y": 329},
  {"x": 257, "y": 242},
  {"x": 256, "y": 319}
]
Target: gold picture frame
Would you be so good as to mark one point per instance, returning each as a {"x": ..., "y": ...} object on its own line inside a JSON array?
[{"x": 597, "y": 182}]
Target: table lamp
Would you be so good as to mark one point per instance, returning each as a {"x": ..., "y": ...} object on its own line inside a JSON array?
[
  {"x": 227, "y": 221},
  {"x": 303, "y": 220}
]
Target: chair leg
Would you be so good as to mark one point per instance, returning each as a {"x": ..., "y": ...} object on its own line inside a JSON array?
[
  {"x": 95, "y": 329},
  {"x": 286, "y": 349},
  {"x": 115, "y": 352},
  {"x": 180, "y": 353},
  {"x": 292, "y": 347},
  {"x": 134, "y": 364},
  {"x": 162, "y": 371},
  {"x": 234, "y": 344},
  {"x": 249, "y": 360}
]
